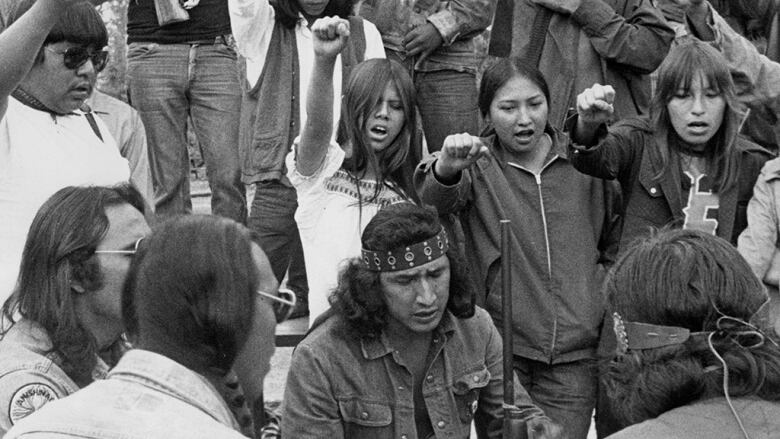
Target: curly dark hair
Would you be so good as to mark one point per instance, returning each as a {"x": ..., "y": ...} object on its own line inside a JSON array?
[
  {"x": 688, "y": 279},
  {"x": 288, "y": 11},
  {"x": 358, "y": 298}
]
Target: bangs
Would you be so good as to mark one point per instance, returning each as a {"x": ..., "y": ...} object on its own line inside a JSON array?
[
  {"x": 687, "y": 63},
  {"x": 80, "y": 24}
]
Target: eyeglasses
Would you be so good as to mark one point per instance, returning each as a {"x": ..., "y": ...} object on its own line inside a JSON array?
[
  {"x": 132, "y": 251},
  {"x": 76, "y": 56},
  {"x": 283, "y": 305}
]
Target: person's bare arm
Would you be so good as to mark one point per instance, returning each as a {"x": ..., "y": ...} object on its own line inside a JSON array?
[
  {"x": 330, "y": 36},
  {"x": 20, "y": 43}
]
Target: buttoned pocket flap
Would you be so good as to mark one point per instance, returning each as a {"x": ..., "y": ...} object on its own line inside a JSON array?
[
  {"x": 368, "y": 414},
  {"x": 470, "y": 381},
  {"x": 652, "y": 188}
]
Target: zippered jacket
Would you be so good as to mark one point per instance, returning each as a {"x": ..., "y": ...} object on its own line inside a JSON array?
[{"x": 562, "y": 225}]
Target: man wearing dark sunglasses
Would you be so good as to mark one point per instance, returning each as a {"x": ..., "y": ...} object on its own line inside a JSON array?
[
  {"x": 51, "y": 53},
  {"x": 62, "y": 326}
]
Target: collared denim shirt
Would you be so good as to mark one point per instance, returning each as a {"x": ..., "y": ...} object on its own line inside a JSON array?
[
  {"x": 30, "y": 375},
  {"x": 342, "y": 386},
  {"x": 145, "y": 396},
  {"x": 460, "y": 23}
]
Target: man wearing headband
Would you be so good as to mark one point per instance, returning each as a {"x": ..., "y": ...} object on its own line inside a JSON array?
[
  {"x": 51, "y": 54},
  {"x": 403, "y": 352},
  {"x": 693, "y": 360}
]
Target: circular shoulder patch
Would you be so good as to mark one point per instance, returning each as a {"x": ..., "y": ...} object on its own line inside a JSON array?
[{"x": 28, "y": 399}]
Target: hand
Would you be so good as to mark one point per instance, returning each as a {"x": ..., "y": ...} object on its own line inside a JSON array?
[
  {"x": 566, "y": 7},
  {"x": 422, "y": 40},
  {"x": 330, "y": 36},
  {"x": 594, "y": 105},
  {"x": 544, "y": 428},
  {"x": 458, "y": 152}
]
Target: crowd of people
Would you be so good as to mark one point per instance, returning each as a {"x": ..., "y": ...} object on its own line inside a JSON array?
[{"x": 629, "y": 143}]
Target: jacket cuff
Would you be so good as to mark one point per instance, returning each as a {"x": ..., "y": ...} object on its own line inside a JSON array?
[
  {"x": 593, "y": 16},
  {"x": 445, "y": 22}
]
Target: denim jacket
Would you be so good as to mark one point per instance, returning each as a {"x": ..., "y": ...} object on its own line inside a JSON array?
[
  {"x": 459, "y": 22},
  {"x": 342, "y": 386},
  {"x": 145, "y": 396},
  {"x": 758, "y": 244},
  {"x": 30, "y": 375}
]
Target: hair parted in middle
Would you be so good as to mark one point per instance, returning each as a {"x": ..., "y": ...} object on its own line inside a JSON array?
[
  {"x": 190, "y": 292},
  {"x": 500, "y": 72},
  {"x": 687, "y": 62},
  {"x": 688, "y": 279},
  {"x": 359, "y": 299},
  {"x": 60, "y": 248},
  {"x": 395, "y": 164}
]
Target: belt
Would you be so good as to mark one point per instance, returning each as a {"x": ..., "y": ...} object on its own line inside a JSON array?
[{"x": 219, "y": 39}]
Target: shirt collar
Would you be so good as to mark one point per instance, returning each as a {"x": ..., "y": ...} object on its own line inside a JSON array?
[
  {"x": 162, "y": 373},
  {"x": 373, "y": 348}
]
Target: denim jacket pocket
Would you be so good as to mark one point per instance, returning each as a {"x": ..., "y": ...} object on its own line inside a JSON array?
[
  {"x": 466, "y": 391},
  {"x": 365, "y": 419}
]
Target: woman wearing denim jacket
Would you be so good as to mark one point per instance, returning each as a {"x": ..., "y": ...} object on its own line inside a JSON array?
[
  {"x": 560, "y": 220},
  {"x": 684, "y": 167}
]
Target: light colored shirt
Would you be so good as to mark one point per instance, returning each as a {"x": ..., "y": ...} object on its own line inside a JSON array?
[
  {"x": 331, "y": 218},
  {"x": 39, "y": 155}
]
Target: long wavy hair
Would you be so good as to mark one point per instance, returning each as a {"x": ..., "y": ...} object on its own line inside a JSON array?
[
  {"x": 394, "y": 166},
  {"x": 288, "y": 12},
  {"x": 190, "y": 292},
  {"x": 359, "y": 299},
  {"x": 688, "y": 279},
  {"x": 60, "y": 248},
  {"x": 686, "y": 63}
]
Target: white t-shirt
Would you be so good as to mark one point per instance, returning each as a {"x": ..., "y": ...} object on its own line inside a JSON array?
[
  {"x": 330, "y": 220},
  {"x": 39, "y": 155},
  {"x": 252, "y": 23}
]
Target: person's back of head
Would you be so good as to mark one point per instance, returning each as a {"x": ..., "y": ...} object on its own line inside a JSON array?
[
  {"x": 59, "y": 255},
  {"x": 190, "y": 294},
  {"x": 698, "y": 288}
]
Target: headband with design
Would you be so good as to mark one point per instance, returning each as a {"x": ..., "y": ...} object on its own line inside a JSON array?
[
  {"x": 406, "y": 257},
  {"x": 633, "y": 335}
]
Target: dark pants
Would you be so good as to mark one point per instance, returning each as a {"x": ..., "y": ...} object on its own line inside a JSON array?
[
  {"x": 447, "y": 100},
  {"x": 272, "y": 217},
  {"x": 566, "y": 392}
]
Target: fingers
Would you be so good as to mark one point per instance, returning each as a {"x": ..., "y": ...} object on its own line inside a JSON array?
[
  {"x": 463, "y": 146},
  {"x": 598, "y": 98},
  {"x": 330, "y": 28}
]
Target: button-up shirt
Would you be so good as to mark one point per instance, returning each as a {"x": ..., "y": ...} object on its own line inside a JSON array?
[
  {"x": 146, "y": 395},
  {"x": 344, "y": 386}
]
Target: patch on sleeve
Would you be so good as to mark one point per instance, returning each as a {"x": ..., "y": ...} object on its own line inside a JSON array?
[{"x": 28, "y": 399}]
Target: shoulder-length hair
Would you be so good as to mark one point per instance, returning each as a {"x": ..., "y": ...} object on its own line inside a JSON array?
[
  {"x": 394, "y": 166},
  {"x": 60, "y": 247},
  {"x": 288, "y": 12},
  {"x": 190, "y": 292},
  {"x": 688, "y": 279},
  {"x": 359, "y": 299},
  {"x": 686, "y": 63}
]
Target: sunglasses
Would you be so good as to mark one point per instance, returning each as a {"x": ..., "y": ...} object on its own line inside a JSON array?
[
  {"x": 132, "y": 251},
  {"x": 283, "y": 304},
  {"x": 77, "y": 56}
]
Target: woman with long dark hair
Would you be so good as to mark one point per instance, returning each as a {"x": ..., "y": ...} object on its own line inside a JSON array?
[{"x": 685, "y": 165}]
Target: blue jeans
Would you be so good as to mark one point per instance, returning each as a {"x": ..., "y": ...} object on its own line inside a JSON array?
[
  {"x": 447, "y": 100},
  {"x": 168, "y": 82},
  {"x": 272, "y": 217},
  {"x": 566, "y": 392}
]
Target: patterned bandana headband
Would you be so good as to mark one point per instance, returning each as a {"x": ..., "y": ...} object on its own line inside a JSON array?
[{"x": 406, "y": 257}]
